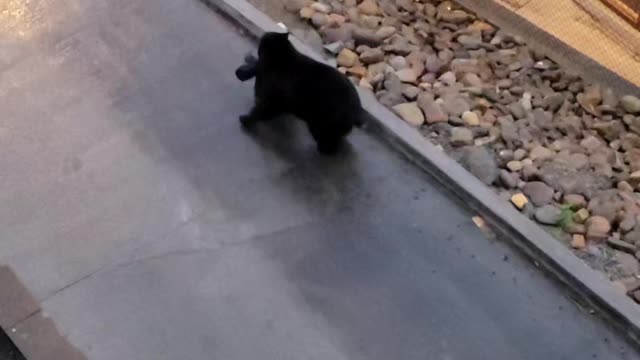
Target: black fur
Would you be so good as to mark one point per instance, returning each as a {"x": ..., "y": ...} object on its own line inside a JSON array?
[
  {"x": 248, "y": 70},
  {"x": 290, "y": 82}
]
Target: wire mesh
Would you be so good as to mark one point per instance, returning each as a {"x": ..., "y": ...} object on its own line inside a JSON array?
[{"x": 605, "y": 30}]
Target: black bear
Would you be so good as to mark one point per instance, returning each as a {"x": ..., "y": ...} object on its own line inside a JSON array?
[{"x": 287, "y": 81}]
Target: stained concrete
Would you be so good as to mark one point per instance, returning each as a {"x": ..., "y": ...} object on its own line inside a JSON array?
[{"x": 141, "y": 222}]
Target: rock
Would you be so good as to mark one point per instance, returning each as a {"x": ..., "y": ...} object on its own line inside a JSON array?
[
  {"x": 630, "y": 141},
  {"x": 376, "y": 73},
  {"x": 628, "y": 223},
  {"x": 621, "y": 245},
  {"x": 294, "y": 6},
  {"x": 432, "y": 110},
  {"x": 609, "y": 98},
  {"x": 430, "y": 11},
  {"x": 519, "y": 200},
  {"x": 454, "y": 17},
  {"x": 505, "y": 156},
  {"x": 434, "y": 64},
  {"x": 465, "y": 66},
  {"x": 610, "y": 130},
  {"x": 508, "y": 180},
  {"x": 514, "y": 165},
  {"x": 548, "y": 215},
  {"x": 398, "y": 62},
  {"x": 539, "y": 193},
  {"x": 479, "y": 161},
  {"x": 390, "y": 99},
  {"x": 591, "y": 143},
  {"x": 571, "y": 181},
  {"x": 358, "y": 70},
  {"x": 481, "y": 26},
  {"x": 553, "y": 102},
  {"x": 633, "y": 122},
  {"x": 634, "y": 179},
  {"x": 608, "y": 204},
  {"x": 519, "y": 154},
  {"x": 406, "y": 5},
  {"x": 455, "y": 105},
  {"x": 407, "y": 75},
  {"x": 517, "y": 110},
  {"x": 416, "y": 62},
  {"x": 627, "y": 264},
  {"x": 461, "y": 136},
  {"x": 575, "y": 201},
  {"x": 633, "y": 236},
  {"x": 448, "y": 78},
  {"x": 342, "y": 33},
  {"x": 371, "y": 56},
  {"x": 470, "y": 118},
  {"x": 337, "y": 20},
  {"x": 369, "y": 7},
  {"x": 321, "y": 8},
  {"x": 630, "y": 104},
  {"x": 364, "y": 83},
  {"x": 632, "y": 157},
  {"x": 370, "y": 22},
  {"x": 526, "y": 102},
  {"x": 575, "y": 161},
  {"x": 368, "y": 37},
  {"x": 400, "y": 46},
  {"x": 597, "y": 228},
  {"x": 578, "y": 242},
  {"x": 529, "y": 172},
  {"x": 590, "y": 99},
  {"x": 470, "y": 42},
  {"x": 385, "y": 32},
  {"x": 410, "y": 112},
  {"x": 471, "y": 79},
  {"x": 411, "y": 92},
  {"x": 319, "y": 19},
  {"x": 571, "y": 227},
  {"x": 347, "y": 58},
  {"x": 581, "y": 216},
  {"x": 540, "y": 153},
  {"x": 306, "y": 13},
  {"x": 334, "y": 47}
]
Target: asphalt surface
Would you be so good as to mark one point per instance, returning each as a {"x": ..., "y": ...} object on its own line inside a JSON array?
[
  {"x": 8, "y": 350},
  {"x": 145, "y": 224}
]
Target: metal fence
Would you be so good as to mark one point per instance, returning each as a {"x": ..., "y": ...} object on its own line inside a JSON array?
[{"x": 628, "y": 9}]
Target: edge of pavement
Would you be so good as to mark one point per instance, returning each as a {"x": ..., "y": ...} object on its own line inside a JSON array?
[{"x": 589, "y": 288}]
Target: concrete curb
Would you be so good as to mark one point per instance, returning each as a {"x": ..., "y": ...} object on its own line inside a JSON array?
[{"x": 586, "y": 284}]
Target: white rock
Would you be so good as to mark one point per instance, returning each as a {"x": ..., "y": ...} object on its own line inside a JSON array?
[
  {"x": 470, "y": 118},
  {"x": 448, "y": 78},
  {"x": 347, "y": 58},
  {"x": 407, "y": 75},
  {"x": 410, "y": 112},
  {"x": 398, "y": 63},
  {"x": 320, "y": 7},
  {"x": 630, "y": 104}
]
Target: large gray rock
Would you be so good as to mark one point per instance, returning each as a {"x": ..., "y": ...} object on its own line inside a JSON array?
[
  {"x": 548, "y": 215},
  {"x": 481, "y": 162},
  {"x": 538, "y": 192},
  {"x": 455, "y": 105},
  {"x": 372, "y": 56},
  {"x": 433, "y": 112},
  {"x": 461, "y": 136},
  {"x": 571, "y": 181}
]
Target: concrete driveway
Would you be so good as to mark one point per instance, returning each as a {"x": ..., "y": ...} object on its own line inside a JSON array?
[{"x": 140, "y": 222}]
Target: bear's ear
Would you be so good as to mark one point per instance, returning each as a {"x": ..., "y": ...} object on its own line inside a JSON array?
[{"x": 284, "y": 36}]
